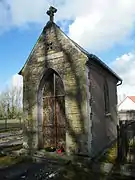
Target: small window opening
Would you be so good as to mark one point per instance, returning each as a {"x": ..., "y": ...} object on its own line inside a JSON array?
[{"x": 49, "y": 46}]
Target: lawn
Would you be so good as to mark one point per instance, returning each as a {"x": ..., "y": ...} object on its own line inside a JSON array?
[
  {"x": 7, "y": 161},
  {"x": 10, "y": 123}
]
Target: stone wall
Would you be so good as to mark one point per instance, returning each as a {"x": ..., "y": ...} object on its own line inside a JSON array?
[
  {"x": 63, "y": 57},
  {"x": 103, "y": 126}
]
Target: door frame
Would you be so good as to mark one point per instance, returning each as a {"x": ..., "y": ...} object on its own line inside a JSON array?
[{"x": 41, "y": 85}]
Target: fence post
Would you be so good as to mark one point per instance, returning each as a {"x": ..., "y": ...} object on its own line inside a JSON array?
[
  {"x": 122, "y": 136},
  {"x": 118, "y": 144},
  {"x": 126, "y": 139},
  {"x": 120, "y": 141},
  {"x": 6, "y": 123},
  {"x": 20, "y": 122}
]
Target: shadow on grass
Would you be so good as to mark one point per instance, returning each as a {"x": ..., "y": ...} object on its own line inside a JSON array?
[
  {"x": 76, "y": 172},
  {"x": 10, "y": 161}
]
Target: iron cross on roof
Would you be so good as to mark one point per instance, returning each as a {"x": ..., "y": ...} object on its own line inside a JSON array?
[{"x": 51, "y": 12}]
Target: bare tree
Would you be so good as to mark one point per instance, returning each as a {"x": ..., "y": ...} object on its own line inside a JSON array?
[{"x": 11, "y": 103}]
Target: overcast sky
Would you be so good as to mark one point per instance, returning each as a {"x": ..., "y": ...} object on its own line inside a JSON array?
[{"x": 103, "y": 27}]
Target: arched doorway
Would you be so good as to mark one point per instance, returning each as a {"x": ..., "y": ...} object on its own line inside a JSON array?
[{"x": 54, "y": 132}]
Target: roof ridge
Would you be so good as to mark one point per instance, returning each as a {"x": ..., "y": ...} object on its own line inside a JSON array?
[{"x": 89, "y": 55}]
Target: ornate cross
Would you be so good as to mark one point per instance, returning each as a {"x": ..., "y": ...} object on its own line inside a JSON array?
[{"x": 51, "y": 12}]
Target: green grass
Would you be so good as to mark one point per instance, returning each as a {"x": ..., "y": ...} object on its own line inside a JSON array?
[
  {"x": 132, "y": 143},
  {"x": 10, "y": 123},
  {"x": 7, "y": 161},
  {"x": 74, "y": 172},
  {"x": 110, "y": 156}
]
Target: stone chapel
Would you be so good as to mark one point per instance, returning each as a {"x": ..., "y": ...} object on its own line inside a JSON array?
[{"x": 69, "y": 95}]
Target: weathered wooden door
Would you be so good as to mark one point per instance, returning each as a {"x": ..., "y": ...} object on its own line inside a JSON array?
[{"x": 53, "y": 112}]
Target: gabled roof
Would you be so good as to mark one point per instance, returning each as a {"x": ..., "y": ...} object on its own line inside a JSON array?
[
  {"x": 90, "y": 56},
  {"x": 130, "y": 97}
]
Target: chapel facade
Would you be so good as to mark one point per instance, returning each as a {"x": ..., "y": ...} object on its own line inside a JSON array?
[{"x": 69, "y": 95}]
